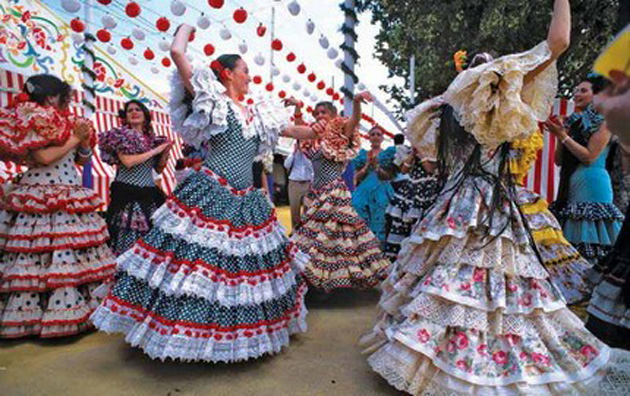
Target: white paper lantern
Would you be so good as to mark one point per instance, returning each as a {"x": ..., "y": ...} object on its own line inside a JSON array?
[
  {"x": 71, "y": 5},
  {"x": 164, "y": 46},
  {"x": 138, "y": 34},
  {"x": 275, "y": 71},
  {"x": 338, "y": 63},
  {"x": 314, "y": 98},
  {"x": 225, "y": 34},
  {"x": 361, "y": 87},
  {"x": 294, "y": 8},
  {"x": 77, "y": 38},
  {"x": 178, "y": 8},
  {"x": 310, "y": 27},
  {"x": 111, "y": 50},
  {"x": 286, "y": 78},
  {"x": 190, "y": 57},
  {"x": 242, "y": 47},
  {"x": 296, "y": 86},
  {"x": 323, "y": 41},
  {"x": 332, "y": 53},
  {"x": 133, "y": 60},
  {"x": 306, "y": 93},
  {"x": 155, "y": 70},
  {"x": 203, "y": 22},
  {"x": 109, "y": 22},
  {"x": 259, "y": 59}
]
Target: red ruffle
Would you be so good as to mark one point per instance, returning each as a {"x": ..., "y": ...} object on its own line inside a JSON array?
[
  {"x": 50, "y": 202},
  {"x": 53, "y": 235},
  {"x": 80, "y": 320},
  {"x": 89, "y": 276},
  {"x": 223, "y": 181},
  {"x": 67, "y": 246},
  {"x": 334, "y": 143}
]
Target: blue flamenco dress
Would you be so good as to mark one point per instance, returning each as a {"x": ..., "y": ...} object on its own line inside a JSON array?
[
  {"x": 216, "y": 278},
  {"x": 372, "y": 195}
]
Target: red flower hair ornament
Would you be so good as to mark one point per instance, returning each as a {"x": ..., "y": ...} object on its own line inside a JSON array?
[{"x": 219, "y": 69}]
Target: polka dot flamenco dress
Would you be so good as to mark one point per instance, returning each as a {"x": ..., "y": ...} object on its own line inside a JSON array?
[
  {"x": 134, "y": 194},
  {"x": 53, "y": 250},
  {"x": 343, "y": 252},
  {"x": 215, "y": 279},
  {"x": 468, "y": 308}
]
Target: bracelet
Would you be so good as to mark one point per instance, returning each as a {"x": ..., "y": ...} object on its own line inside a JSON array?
[
  {"x": 565, "y": 139},
  {"x": 83, "y": 152}
]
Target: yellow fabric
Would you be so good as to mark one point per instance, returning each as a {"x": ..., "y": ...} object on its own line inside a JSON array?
[
  {"x": 527, "y": 151},
  {"x": 539, "y": 206},
  {"x": 549, "y": 236}
]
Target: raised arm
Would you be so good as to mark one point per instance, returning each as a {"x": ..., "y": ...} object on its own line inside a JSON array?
[
  {"x": 178, "y": 53},
  {"x": 559, "y": 36},
  {"x": 355, "y": 119},
  {"x": 299, "y": 132}
]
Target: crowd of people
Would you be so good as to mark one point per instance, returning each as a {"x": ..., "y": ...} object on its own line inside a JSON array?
[{"x": 475, "y": 271}]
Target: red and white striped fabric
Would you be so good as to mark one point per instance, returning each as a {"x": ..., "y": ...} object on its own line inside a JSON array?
[
  {"x": 106, "y": 117},
  {"x": 544, "y": 176}
]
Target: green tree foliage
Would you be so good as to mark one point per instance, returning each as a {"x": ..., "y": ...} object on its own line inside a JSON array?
[{"x": 434, "y": 30}]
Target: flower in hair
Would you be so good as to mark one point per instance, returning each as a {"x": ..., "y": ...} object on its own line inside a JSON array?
[
  {"x": 460, "y": 58},
  {"x": 219, "y": 69}
]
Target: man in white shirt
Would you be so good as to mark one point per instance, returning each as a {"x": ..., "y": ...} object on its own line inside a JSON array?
[{"x": 300, "y": 177}]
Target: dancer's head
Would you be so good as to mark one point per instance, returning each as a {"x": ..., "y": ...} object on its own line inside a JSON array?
[
  {"x": 232, "y": 71},
  {"x": 324, "y": 111},
  {"x": 376, "y": 136},
  {"x": 479, "y": 58},
  {"x": 48, "y": 90},
  {"x": 586, "y": 90},
  {"x": 136, "y": 115}
]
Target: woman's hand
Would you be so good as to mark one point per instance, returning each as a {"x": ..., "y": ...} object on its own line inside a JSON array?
[
  {"x": 82, "y": 129},
  {"x": 291, "y": 102},
  {"x": 363, "y": 97},
  {"x": 555, "y": 125},
  {"x": 162, "y": 147}
]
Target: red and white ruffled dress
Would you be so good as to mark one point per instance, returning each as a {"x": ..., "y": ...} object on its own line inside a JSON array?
[
  {"x": 52, "y": 241},
  {"x": 344, "y": 252}
]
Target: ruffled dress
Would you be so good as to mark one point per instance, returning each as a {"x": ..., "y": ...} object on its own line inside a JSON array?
[
  {"x": 215, "y": 279},
  {"x": 468, "y": 307},
  {"x": 413, "y": 195},
  {"x": 134, "y": 196},
  {"x": 589, "y": 219},
  {"x": 343, "y": 252},
  {"x": 53, "y": 249},
  {"x": 372, "y": 195}
]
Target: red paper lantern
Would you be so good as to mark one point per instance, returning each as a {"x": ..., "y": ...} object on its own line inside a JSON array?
[
  {"x": 321, "y": 85},
  {"x": 148, "y": 54},
  {"x": 309, "y": 109},
  {"x": 301, "y": 69},
  {"x": 291, "y": 57},
  {"x": 192, "y": 36},
  {"x": 240, "y": 15},
  {"x": 261, "y": 30},
  {"x": 105, "y": 2},
  {"x": 257, "y": 79},
  {"x": 336, "y": 96},
  {"x": 241, "y": 98},
  {"x": 341, "y": 100},
  {"x": 282, "y": 94},
  {"x": 166, "y": 62},
  {"x": 269, "y": 87},
  {"x": 126, "y": 43},
  {"x": 77, "y": 25},
  {"x": 330, "y": 92},
  {"x": 104, "y": 35},
  {"x": 216, "y": 3},
  {"x": 163, "y": 24},
  {"x": 132, "y": 9},
  {"x": 312, "y": 77},
  {"x": 250, "y": 101},
  {"x": 208, "y": 49},
  {"x": 276, "y": 45}
]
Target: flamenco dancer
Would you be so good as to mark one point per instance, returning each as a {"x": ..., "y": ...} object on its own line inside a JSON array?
[
  {"x": 469, "y": 308},
  {"x": 343, "y": 252},
  {"x": 53, "y": 249},
  {"x": 215, "y": 279},
  {"x": 136, "y": 151}
]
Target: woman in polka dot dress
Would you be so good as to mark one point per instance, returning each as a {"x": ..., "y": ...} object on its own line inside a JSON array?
[
  {"x": 215, "y": 279},
  {"x": 53, "y": 248},
  {"x": 344, "y": 252},
  {"x": 137, "y": 151}
]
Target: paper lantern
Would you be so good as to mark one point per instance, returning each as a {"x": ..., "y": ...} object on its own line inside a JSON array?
[
  {"x": 282, "y": 94},
  {"x": 321, "y": 85},
  {"x": 294, "y": 8},
  {"x": 178, "y": 8},
  {"x": 103, "y": 35},
  {"x": 291, "y": 57},
  {"x": 133, "y": 60},
  {"x": 301, "y": 68},
  {"x": 216, "y": 3},
  {"x": 111, "y": 50},
  {"x": 77, "y": 38},
  {"x": 203, "y": 22},
  {"x": 269, "y": 87},
  {"x": 361, "y": 87},
  {"x": 257, "y": 79},
  {"x": 149, "y": 54},
  {"x": 336, "y": 96},
  {"x": 77, "y": 25},
  {"x": 208, "y": 49},
  {"x": 275, "y": 71},
  {"x": 166, "y": 62},
  {"x": 332, "y": 53},
  {"x": 192, "y": 36},
  {"x": 306, "y": 92},
  {"x": 225, "y": 34},
  {"x": 312, "y": 77},
  {"x": 163, "y": 24},
  {"x": 330, "y": 91},
  {"x": 323, "y": 41},
  {"x": 105, "y": 2},
  {"x": 109, "y": 21},
  {"x": 309, "y": 109},
  {"x": 310, "y": 27},
  {"x": 250, "y": 101},
  {"x": 164, "y": 45},
  {"x": 286, "y": 78},
  {"x": 276, "y": 45},
  {"x": 155, "y": 70},
  {"x": 261, "y": 30},
  {"x": 338, "y": 63},
  {"x": 138, "y": 34},
  {"x": 240, "y": 15},
  {"x": 259, "y": 59},
  {"x": 126, "y": 43},
  {"x": 296, "y": 86},
  {"x": 71, "y": 6},
  {"x": 242, "y": 47},
  {"x": 133, "y": 9}
]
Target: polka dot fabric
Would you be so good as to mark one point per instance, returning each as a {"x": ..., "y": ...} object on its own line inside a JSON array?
[
  {"x": 52, "y": 253},
  {"x": 215, "y": 278}
]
